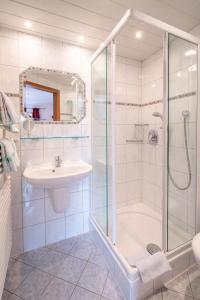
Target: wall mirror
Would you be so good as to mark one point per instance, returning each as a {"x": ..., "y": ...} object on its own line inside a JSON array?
[{"x": 52, "y": 96}]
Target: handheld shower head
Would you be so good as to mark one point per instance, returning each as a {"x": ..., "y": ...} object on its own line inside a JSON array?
[{"x": 157, "y": 114}]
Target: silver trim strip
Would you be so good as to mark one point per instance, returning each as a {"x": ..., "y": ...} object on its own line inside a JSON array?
[
  {"x": 165, "y": 148},
  {"x": 113, "y": 34},
  {"x": 198, "y": 148}
]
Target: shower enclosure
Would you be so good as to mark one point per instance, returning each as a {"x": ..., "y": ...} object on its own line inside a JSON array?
[{"x": 144, "y": 136}]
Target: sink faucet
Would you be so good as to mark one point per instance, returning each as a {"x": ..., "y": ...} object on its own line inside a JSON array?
[{"x": 58, "y": 161}]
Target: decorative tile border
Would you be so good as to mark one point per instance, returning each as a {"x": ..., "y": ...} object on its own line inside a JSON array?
[
  {"x": 13, "y": 95},
  {"x": 190, "y": 94}
]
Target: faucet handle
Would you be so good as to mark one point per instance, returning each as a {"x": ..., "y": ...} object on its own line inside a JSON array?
[{"x": 58, "y": 161}]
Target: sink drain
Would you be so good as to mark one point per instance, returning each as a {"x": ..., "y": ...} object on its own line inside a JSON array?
[{"x": 153, "y": 248}]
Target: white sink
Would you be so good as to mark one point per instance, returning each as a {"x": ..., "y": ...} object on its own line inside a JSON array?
[
  {"x": 50, "y": 177},
  {"x": 58, "y": 181}
]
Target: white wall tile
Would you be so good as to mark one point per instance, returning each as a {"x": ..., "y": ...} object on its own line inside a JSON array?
[
  {"x": 16, "y": 189},
  {"x": 34, "y": 237},
  {"x": 55, "y": 231},
  {"x": 33, "y": 212},
  {"x": 9, "y": 52},
  {"x": 74, "y": 225},
  {"x": 31, "y": 192},
  {"x": 18, "y": 52},
  {"x": 17, "y": 242},
  {"x": 17, "y": 216},
  {"x": 31, "y": 157}
]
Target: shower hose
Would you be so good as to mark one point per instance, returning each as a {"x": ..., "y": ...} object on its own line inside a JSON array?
[{"x": 183, "y": 188}]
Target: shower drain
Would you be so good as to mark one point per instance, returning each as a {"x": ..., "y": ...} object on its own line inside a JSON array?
[{"x": 153, "y": 248}]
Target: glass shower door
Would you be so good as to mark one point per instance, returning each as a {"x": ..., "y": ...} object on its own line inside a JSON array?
[
  {"x": 182, "y": 141},
  {"x": 99, "y": 205}
]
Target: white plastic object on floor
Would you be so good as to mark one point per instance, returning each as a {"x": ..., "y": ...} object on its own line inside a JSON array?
[{"x": 196, "y": 248}]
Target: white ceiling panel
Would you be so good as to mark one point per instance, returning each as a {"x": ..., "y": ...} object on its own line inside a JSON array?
[
  {"x": 189, "y": 7},
  {"x": 164, "y": 12},
  {"x": 66, "y": 20}
]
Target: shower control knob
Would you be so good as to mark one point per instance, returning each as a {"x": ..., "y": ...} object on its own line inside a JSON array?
[{"x": 153, "y": 137}]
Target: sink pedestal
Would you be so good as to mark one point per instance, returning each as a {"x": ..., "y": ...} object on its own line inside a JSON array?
[{"x": 59, "y": 199}]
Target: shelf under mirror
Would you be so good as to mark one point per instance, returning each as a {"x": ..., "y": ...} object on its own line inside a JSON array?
[{"x": 52, "y": 137}]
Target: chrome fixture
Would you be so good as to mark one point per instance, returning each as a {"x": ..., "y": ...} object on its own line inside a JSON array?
[
  {"x": 58, "y": 161},
  {"x": 157, "y": 114},
  {"x": 153, "y": 248},
  {"x": 185, "y": 114},
  {"x": 153, "y": 137}
]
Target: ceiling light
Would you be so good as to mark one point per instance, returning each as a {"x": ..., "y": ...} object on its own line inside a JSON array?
[
  {"x": 190, "y": 52},
  {"x": 192, "y": 68},
  {"x": 81, "y": 38},
  {"x": 102, "y": 44},
  {"x": 178, "y": 74},
  {"x": 138, "y": 35},
  {"x": 27, "y": 24}
]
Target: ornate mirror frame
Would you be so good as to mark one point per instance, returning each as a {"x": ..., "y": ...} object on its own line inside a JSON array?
[{"x": 23, "y": 78}]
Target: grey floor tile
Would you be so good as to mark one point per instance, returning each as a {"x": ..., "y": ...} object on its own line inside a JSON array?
[
  {"x": 45, "y": 259},
  {"x": 11, "y": 262},
  {"x": 85, "y": 239},
  {"x": 93, "y": 278},
  {"x": 181, "y": 284},
  {"x": 64, "y": 246},
  {"x": 17, "y": 272},
  {"x": 52, "y": 262},
  {"x": 83, "y": 252},
  {"x": 82, "y": 294},
  {"x": 98, "y": 258},
  {"x": 194, "y": 276},
  {"x": 15, "y": 297},
  {"x": 34, "y": 257},
  {"x": 58, "y": 289},
  {"x": 111, "y": 289},
  {"x": 71, "y": 269},
  {"x": 171, "y": 295},
  {"x": 156, "y": 296},
  {"x": 5, "y": 295},
  {"x": 34, "y": 285}
]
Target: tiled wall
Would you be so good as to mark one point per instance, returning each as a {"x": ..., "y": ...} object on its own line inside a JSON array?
[
  {"x": 34, "y": 221},
  {"x": 139, "y": 166},
  {"x": 128, "y": 154},
  {"x": 182, "y": 80},
  {"x": 152, "y": 155}
]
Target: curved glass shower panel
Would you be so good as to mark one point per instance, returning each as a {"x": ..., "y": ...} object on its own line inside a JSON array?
[
  {"x": 99, "y": 204},
  {"x": 182, "y": 141}
]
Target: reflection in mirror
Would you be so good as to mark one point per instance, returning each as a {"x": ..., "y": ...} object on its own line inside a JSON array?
[{"x": 52, "y": 95}]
